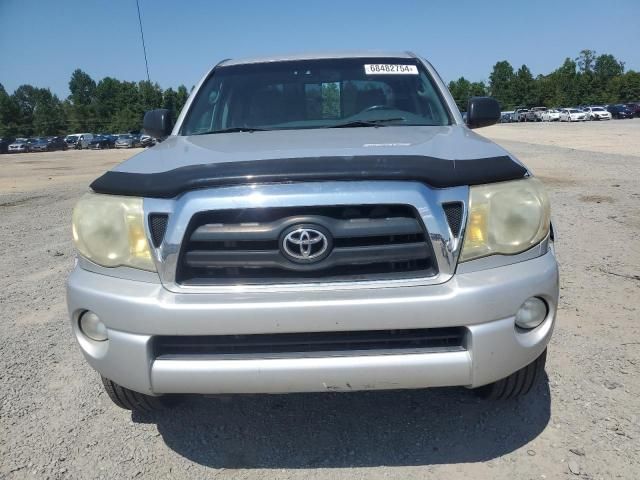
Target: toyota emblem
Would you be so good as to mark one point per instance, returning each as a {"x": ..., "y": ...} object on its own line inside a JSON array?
[{"x": 305, "y": 244}]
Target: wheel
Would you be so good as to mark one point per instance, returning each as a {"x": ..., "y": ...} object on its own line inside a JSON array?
[
  {"x": 517, "y": 384},
  {"x": 130, "y": 400}
]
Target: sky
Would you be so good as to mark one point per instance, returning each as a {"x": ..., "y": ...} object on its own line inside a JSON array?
[{"x": 42, "y": 42}]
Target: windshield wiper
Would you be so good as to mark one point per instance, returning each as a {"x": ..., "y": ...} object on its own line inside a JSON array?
[
  {"x": 232, "y": 130},
  {"x": 367, "y": 123}
]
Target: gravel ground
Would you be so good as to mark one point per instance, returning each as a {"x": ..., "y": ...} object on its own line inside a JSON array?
[{"x": 56, "y": 422}]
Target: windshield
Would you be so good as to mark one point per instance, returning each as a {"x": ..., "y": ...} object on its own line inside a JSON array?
[
  {"x": 124, "y": 137},
  {"x": 316, "y": 94},
  {"x": 597, "y": 109},
  {"x": 574, "y": 111}
]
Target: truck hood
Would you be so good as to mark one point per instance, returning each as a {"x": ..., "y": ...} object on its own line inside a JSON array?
[
  {"x": 438, "y": 156},
  {"x": 447, "y": 143}
]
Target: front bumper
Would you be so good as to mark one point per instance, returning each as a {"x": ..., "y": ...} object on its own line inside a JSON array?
[{"x": 485, "y": 302}]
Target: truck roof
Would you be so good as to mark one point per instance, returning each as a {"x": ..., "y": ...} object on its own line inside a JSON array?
[{"x": 317, "y": 56}]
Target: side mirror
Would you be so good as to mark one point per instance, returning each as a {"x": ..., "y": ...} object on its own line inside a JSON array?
[
  {"x": 158, "y": 123},
  {"x": 482, "y": 111}
]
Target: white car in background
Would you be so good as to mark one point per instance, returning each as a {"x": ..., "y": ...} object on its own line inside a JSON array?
[
  {"x": 572, "y": 115},
  {"x": 551, "y": 115},
  {"x": 535, "y": 114},
  {"x": 520, "y": 115},
  {"x": 596, "y": 113},
  {"x": 78, "y": 140}
]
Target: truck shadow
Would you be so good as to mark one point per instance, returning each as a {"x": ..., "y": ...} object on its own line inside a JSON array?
[{"x": 360, "y": 429}]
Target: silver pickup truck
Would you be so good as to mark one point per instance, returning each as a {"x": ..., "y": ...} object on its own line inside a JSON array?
[{"x": 315, "y": 223}]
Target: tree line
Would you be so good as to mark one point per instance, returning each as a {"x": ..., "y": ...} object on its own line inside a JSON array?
[
  {"x": 109, "y": 105},
  {"x": 112, "y": 105},
  {"x": 589, "y": 79}
]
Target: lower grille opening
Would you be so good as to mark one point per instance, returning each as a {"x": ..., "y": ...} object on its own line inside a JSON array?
[{"x": 423, "y": 339}]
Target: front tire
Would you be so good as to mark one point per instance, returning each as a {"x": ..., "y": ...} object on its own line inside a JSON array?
[
  {"x": 517, "y": 384},
  {"x": 130, "y": 400}
]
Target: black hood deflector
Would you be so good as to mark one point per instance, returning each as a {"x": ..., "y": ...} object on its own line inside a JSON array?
[{"x": 436, "y": 172}]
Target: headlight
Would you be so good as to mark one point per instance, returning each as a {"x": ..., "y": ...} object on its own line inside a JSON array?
[
  {"x": 505, "y": 218},
  {"x": 109, "y": 230}
]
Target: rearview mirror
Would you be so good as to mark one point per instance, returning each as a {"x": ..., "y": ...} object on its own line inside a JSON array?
[
  {"x": 482, "y": 111},
  {"x": 158, "y": 123}
]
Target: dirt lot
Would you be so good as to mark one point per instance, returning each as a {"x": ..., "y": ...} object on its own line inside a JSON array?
[{"x": 55, "y": 421}]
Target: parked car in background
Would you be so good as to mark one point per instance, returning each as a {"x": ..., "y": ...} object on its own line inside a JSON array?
[
  {"x": 634, "y": 107},
  {"x": 4, "y": 144},
  {"x": 48, "y": 144},
  {"x": 551, "y": 115},
  {"x": 40, "y": 145},
  {"x": 535, "y": 114},
  {"x": 520, "y": 115},
  {"x": 99, "y": 142},
  {"x": 84, "y": 140},
  {"x": 71, "y": 140},
  {"x": 596, "y": 113},
  {"x": 572, "y": 115},
  {"x": 57, "y": 143},
  {"x": 619, "y": 111},
  {"x": 530, "y": 116},
  {"x": 505, "y": 117},
  {"x": 112, "y": 139},
  {"x": 127, "y": 140},
  {"x": 146, "y": 141},
  {"x": 20, "y": 145}
]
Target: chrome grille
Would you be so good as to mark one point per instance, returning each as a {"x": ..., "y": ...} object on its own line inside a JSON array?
[{"x": 245, "y": 246}]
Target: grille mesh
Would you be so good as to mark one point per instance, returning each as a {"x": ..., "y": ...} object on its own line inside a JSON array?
[
  {"x": 453, "y": 211},
  {"x": 158, "y": 225}
]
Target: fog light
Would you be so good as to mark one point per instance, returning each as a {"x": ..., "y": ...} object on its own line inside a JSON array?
[
  {"x": 532, "y": 313},
  {"x": 92, "y": 327}
]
